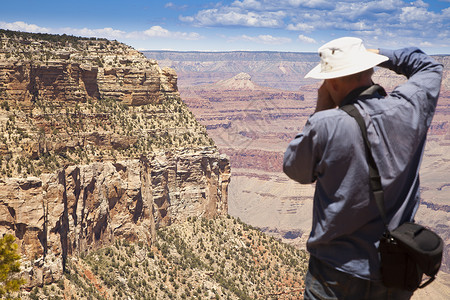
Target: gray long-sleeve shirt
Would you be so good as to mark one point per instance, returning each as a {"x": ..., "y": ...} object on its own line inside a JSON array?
[{"x": 346, "y": 221}]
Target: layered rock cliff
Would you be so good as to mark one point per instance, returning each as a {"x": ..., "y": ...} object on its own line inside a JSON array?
[
  {"x": 67, "y": 100},
  {"x": 84, "y": 207},
  {"x": 42, "y": 67},
  {"x": 96, "y": 145}
]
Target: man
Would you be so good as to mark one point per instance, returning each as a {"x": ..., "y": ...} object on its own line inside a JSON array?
[{"x": 343, "y": 243}]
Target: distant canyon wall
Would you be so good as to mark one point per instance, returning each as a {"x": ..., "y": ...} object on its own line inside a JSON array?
[
  {"x": 280, "y": 70},
  {"x": 84, "y": 207}
]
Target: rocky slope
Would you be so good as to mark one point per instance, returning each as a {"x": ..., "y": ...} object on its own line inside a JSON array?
[
  {"x": 219, "y": 258},
  {"x": 96, "y": 146}
]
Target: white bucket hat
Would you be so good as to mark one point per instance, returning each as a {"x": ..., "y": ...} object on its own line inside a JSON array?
[{"x": 342, "y": 57}]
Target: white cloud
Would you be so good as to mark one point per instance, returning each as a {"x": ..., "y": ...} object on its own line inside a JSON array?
[
  {"x": 248, "y": 4},
  {"x": 400, "y": 20},
  {"x": 306, "y": 39},
  {"x": 412, "y": 14},
  {"x": 171, "y": 5},
  {"x": 270, "y": 5},
  {"x": 357, "y": 26},
  {"x": 319, "y": 4},
  {"x": 446, "y": 13},
  {"x": 298, "y": 14},
  {"x": 263, "y": 39},
  {"x": 426, "y": 44},
  {"x": 187, "y": 19},
  {"x": 355, "y": 10},
  {"x": 236, "y": 17},
  {"x": 420, "y": 3},
  {"x": 107, "y": 32},
  {"x": 300, "y": 27},
  {"x": 159, "y": 32},
  {"x": 22, "y": 26}
]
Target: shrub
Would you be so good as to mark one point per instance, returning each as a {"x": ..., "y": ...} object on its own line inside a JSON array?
[{"x": 9, "y": 266}]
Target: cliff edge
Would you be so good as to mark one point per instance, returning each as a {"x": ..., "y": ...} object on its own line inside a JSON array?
[{"x": 96, "y": 145}]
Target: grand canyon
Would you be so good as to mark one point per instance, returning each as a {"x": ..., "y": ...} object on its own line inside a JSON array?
[
  {"x": 111, "y": 187},
  {"x": 254, "y": 103},
  {"x": 157, "y": 174}
]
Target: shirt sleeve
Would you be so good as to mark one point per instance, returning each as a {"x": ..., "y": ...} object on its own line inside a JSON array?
[
  {"x": 303, "y": 154},
  {"x": 424, "y": 79}
]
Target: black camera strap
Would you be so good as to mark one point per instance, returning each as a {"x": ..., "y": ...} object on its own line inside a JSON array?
[{"x": 375, "y": 179}]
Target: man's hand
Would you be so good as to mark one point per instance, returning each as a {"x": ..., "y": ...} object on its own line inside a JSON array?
[
  {"x": 376, "y": 51},
  {"x": 324, "y": 100}
]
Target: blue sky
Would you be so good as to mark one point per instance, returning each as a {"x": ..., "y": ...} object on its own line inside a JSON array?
[{"x": 257, "y": 25}]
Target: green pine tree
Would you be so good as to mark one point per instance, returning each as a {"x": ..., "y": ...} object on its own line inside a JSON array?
[{"x": 9, "y": 266}]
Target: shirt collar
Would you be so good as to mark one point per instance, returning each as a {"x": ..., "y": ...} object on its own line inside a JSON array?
[{"x": 364, "y": 92}]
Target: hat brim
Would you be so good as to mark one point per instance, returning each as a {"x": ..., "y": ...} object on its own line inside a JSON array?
[{"x": 369, "y": 60}]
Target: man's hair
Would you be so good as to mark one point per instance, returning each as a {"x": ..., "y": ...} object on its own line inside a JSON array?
[{"x": 358, "y": 76}]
